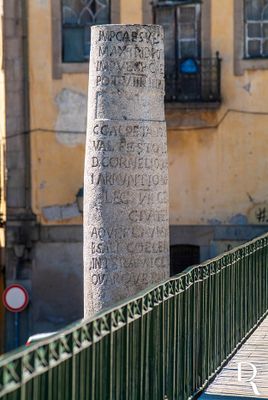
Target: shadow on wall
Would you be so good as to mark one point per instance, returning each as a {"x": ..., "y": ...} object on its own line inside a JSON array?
[{"x": 58, "y": 285}]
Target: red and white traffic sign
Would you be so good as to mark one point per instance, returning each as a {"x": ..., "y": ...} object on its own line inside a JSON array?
[{"x": 15, "y": 298}]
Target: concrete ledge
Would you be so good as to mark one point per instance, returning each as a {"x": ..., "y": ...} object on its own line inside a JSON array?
[
  {"x": 193, "y": 106},
  {"x": 67, "y": 233},
  {"x": 215, "y": 232}
]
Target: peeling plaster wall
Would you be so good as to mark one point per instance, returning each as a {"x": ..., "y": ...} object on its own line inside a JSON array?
[
  {"x": 57, "y": 173},
  {"x": 71, "y": 117}
]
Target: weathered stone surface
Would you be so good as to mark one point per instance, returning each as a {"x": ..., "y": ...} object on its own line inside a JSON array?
[
  {"x": 71, "y": 117},
  {"x": 126, "y": 224}
]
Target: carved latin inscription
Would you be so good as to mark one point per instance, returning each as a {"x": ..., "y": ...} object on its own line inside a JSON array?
[{"x": 126, "y": 231}]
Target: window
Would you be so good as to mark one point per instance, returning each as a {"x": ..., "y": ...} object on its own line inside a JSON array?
[
  {"x": 182, "y": 32},
  {"x": 256, "y": 28},
  {"x": 191, "y": 74},
  {"x": 250, "y": 35},
  {"x": 77, "y": 18},
  {"x": 188, "y": 34},
  {"x": 71, "y": 22}
]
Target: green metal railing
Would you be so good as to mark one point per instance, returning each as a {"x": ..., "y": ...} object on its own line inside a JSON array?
[{"x": 166, "y": 343}]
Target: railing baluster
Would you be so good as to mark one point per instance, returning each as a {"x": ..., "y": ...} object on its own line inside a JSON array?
[{"x": 163, "y": 344}]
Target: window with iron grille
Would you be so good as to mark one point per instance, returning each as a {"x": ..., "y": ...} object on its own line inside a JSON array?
[
  {"x": 189, "y": 77},
  {"x": 256, "y": 28},
  {"x": 77, "y": 18}
]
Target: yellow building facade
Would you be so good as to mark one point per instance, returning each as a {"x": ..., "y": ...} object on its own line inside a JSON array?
[{"x": 217, "y": 118}]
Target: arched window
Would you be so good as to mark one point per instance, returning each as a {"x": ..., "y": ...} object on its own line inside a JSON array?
[
  {"x": 77, "y": 18},
  {"x": 256, "y": 28}
]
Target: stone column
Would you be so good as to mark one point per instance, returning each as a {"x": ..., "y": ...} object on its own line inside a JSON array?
[{"x": 126, "y": 224}]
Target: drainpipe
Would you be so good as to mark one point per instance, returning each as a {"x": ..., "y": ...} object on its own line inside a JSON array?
[
  {"x": 26, "y": 224},
  {"x": 25, "y": 55}
]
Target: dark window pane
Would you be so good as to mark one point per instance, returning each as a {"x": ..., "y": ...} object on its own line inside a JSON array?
[
  {"x": 254, "y": 9},
  {"x": 86, "y": 17},
  {"x": 265, "y": 48},
  {"x": 187, "y": 31},
  {"x": 165, "y": 16},
  {"x": 87, "y": 41},
  {"x": 69, "y": 16},
  {"x": 187, "y": 14},
  {"x": 73, "y": 44},
  {"x": 102, "y": 16},
  {"x": 265, "y": 30},
  {"x": 183, "y": 256},
  {"x": 72, "y": 5},
  {"x": 254, "y": 30},
  {"x": 265, "y": 13},
  {"x": 188, "y": 49},
  {"x": 254, "y": 48},
  {"x": 77, "y": 18}
]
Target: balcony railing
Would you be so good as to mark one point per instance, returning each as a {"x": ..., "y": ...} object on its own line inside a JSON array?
[
  {"x": 195, "y": 80},
  {"x": 165, "y": 343}
]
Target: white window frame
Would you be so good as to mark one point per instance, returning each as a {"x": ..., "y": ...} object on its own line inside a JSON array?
[
  {"x": 262, "y": 39},
  {"x": 241, "y": 62}
]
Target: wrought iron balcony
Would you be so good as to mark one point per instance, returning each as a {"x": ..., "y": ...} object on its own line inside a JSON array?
[{"x": 195, "y": 80}]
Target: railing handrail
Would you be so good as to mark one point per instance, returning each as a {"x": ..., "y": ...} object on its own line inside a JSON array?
[
  {"x": 80, "y": 323},
  {"x": 215, "y": 57},
  {"x": 157, "y": 295}
]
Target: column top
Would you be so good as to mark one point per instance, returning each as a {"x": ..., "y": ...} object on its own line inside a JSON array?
[{"x": 126, "y": 25}]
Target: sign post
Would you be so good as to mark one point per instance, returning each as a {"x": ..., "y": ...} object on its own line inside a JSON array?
[{"x": 15, "y": 300}]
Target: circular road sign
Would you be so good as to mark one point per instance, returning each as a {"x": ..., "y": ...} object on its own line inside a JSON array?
[{"x": 15, "y": 298}]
